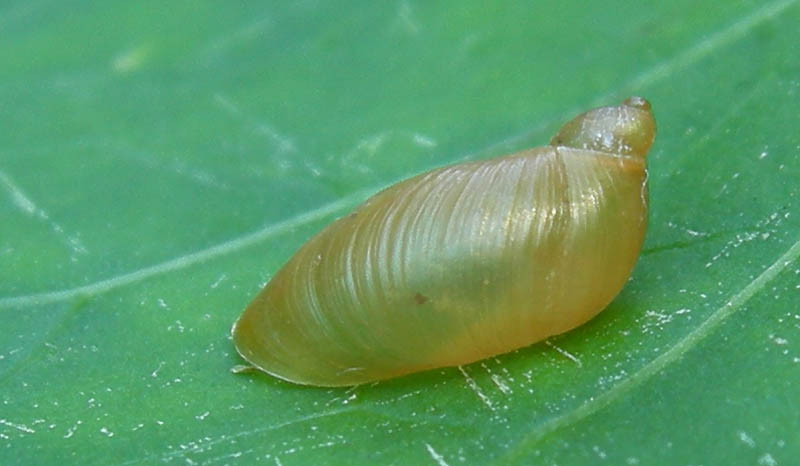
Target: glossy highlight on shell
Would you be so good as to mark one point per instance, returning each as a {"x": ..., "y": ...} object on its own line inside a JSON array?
[{"x": 462, "y": 262}]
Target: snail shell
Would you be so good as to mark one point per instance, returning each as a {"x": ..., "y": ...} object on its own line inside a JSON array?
[{"x": 462, "y": 262}]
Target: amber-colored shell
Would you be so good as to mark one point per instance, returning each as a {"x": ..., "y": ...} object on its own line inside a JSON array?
[{"x": 462, "y": 262}]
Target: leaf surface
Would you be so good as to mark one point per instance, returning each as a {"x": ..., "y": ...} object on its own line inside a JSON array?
[{"x": 159, "y": 162}]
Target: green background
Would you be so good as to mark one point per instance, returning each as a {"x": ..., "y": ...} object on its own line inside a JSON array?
[{"x": 160, "y": 160}]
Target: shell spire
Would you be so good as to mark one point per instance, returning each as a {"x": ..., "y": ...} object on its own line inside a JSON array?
[{"x": 627, "y": 129}]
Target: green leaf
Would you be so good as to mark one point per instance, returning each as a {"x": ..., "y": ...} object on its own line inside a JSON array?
[{"x": 160, "y": 161}]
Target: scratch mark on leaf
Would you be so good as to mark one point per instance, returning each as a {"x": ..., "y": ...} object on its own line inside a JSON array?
[
  {"x": 219, "y": 280},
  {"x": 159, "y": 162},
  {"x": 564, "y": 353},
  {"x": 371, "y": 145},
  {"x": 242, "y": 35},
  {"x": 501, "y": 384},
  {"x": 439, "y": 459},
  {"x": 19, "y": 427},
  {"x": 767, "y": 460},
  {"x": 406, "y": 18},
  {"x": 26, "y": 205},
  {"x": 228, "y": 456},
  {"x": 155, "y": 372},
  {"x": 761, "y": 231},
  {"x": 205, "y": 443},
  {"x": 283, "y": 143},
  {"x": 475, "y": 388},
  {"x": 20, "y": 199},
  {"x": 746, "y": 439}
]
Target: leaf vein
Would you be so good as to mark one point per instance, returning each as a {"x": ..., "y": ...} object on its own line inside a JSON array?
[{"x": 185, "y": 260}]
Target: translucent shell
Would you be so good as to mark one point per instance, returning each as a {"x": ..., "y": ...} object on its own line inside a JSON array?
[{"x": 462, "y": 262}]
